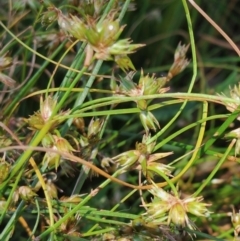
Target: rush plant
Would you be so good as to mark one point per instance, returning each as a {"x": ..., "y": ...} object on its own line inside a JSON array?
[{"x": 95, "y": 146}]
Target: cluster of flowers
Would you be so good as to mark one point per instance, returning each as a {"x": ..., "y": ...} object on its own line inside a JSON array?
[
  {"x": 102, "y": 39},
  {"x": 150, "y": 85},
  {"x": 166, "y": 206},
  {"x": 233, "y": 105},
  {"x": 101, "y": 36}
]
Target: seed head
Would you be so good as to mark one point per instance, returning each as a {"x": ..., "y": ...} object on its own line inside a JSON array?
[
  {"x": 235, "y": 134},
  {"x": 235, "y": 95},
  {"x": 236, "y": 222},
  {"x": 175, "y": 209},
  {"x": 56, "y": 143},
  {"x": 5, "y": 62},
  {"x": 95, "y": 127},
  {"x": 149, "y": 121},
  {"x": 44, "y": 115},
  {"x": 50, "y": 16},
  {"x": 4, "y": 170},
  {"x": 180, "y": 61},
  {"x": 26, "y": 193}
]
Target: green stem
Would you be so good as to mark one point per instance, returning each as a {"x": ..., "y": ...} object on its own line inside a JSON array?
[
  {"x": 37, "y": 219},
  {"x": 67, "y": 93},
  {"x": 75, "y": 209},
  {"x": 84, "y": 174},
  {"x": 165, "y": 178},
  {"x": 107, "y": 10},
  {"x": 194, "y": 59},
  {"x": 114, "y": 208},
  {"x": 124, "y": 9},
  {"x": 24, "y": 157},
  {"x": 177, "y": 133},
  {"x": 216, "y": 168},
  {"x": 78, "y": 61},
  {"x": 83, "y": 95},
  {"x": 10, "y": 225},
  {"x": 22, "y": 92},
  {"x": 10, "y": 197}
]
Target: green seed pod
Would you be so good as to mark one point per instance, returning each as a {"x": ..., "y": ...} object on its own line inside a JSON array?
[
  {"x": 77, "y": 28},
  {"x": 26, "y": 193},
  {"x": 80, "y": 124},
  {"x": 95, "y": 127},
  {"x": 4, "y": 170},
  {"x": 128, "y": 158},
  {"x": 108, "y": 237},
  {"x": 47, "y": 141},
  {"x": 5, "y": 62},
  {"x": 149, "y": 121},
  {"x": 109, "y": 31},
  {"x": 50, "y": 16},
  {"x": 236, "y": 222},
  {"x": 2, "y": 204},
  {"x": 6, "y": 80},
  {"x": 142, "y": 104},
  {"x": 52, "y": 189},
  {"x": 178, "y": 215},
  {"x": 124, "y": 62}
]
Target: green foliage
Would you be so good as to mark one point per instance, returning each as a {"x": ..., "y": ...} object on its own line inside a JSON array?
[{"x": 117, "y": 122}]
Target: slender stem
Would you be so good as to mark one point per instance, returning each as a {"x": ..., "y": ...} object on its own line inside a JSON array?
[
  {"x": 169, "y": 182},
  {"x": 76, "y": 208},
  {"x": 22, "y": 92},
  {"x": 70, "y": 75},
  {"x": 37, "y": 218},
  {"x": 60, "y": 60},
  {"x": 80, "y": 99},
  {"x": 10, "y": 197},
  {"x": 44, "y": 187},
  {"x": 194, "y": 59},
  {"x": 83, "y": 174},
  {"x": 124, "y": 9},
  {"x": 216, "y": 168},
  {"x": 67, "y": 93},
  {"x": 214, "y": 24},
  {"x": 193, "y": 46},
  {"x": 107, "y": 10},
  {"x": 9, "y": 226},
  {"x": 24, "y": 157},
  {"x": 37, "y": 53}
]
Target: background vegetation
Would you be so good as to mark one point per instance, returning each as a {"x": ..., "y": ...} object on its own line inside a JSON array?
[{"x": 68, "y": 125}]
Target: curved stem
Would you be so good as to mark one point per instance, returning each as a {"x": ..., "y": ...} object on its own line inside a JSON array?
[
  {"x": 194, "y": 59},
  {"x": 216, "y": 168},
  {"x": 168, "y": 181}
]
